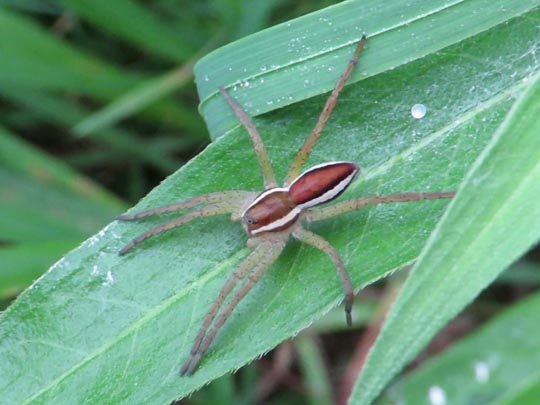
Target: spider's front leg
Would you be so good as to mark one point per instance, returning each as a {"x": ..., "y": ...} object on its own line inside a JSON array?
[
  {"x": 319, "y": 214},
  {"x": 258, "y": 144},
  {"x": 224, "y": 202},
  {"x": 312, "y": 139}
]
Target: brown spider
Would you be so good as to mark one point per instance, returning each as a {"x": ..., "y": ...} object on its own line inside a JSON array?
[{"x": 272, "y": 216}]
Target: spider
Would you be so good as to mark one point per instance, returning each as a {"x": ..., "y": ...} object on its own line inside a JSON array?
[{"x": 272, "y": 216}]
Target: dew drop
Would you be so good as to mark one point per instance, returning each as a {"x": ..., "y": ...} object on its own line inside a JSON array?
[
  {"x": 418, "y": 111},
  {"x": 481, "y": 371},
  {"x": 436, "y": 395},
  {"x": 109, "y": 280}
]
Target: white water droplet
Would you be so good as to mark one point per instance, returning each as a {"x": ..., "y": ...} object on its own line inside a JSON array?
[
  {"x": 481, "y": 371},
  {"x": 109, "y": 279},
  {"x": 436, "y": 395},
  {"x": 418, "y": 111}
]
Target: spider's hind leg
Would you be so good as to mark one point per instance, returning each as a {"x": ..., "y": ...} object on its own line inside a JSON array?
[
  {"x": 323, "y": 245},
  {"x": 264, "y": 255}
]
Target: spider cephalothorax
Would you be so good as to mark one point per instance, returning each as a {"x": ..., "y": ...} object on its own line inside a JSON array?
[{"x": 271, "y": 217}]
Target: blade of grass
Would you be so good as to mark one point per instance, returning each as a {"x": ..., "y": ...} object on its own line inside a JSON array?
[
  {"x": 317, "y": 382},
  {"x": 19, "y": 156},
  {"x": 526, "y": 393},
  {"x": 135, "y": 23},
  {"x": 41, "y": 61},
  {"x": 494, "y": 219},
  {"x": 66, "y": 114},
  {"x": 493, "y": 363},
  {"x": 32, "y": 210},
  {"x": 135, "y": 100},
  {"x": 35, "y": 6},
  {"x": 522, "y": 273},
  {"x": 295, "y": 60},
  {"x": 24, "y": 263}
]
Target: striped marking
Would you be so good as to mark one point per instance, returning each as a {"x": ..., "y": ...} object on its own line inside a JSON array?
[
  {"x": 280, "y": 223},
  {"x": 263, "y": 195},
  {"x": 278, "y": 208}
]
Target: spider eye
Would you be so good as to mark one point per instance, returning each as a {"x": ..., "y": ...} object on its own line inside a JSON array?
[{"x": 251, "y": 221}]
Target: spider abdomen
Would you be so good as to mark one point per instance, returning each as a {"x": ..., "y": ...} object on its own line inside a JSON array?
[
  {"x": 276, "y": 209},
  {"x": 322, "y": 183}
]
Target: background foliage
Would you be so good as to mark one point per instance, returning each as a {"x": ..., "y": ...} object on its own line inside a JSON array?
[{"x": 98, "y": 105}]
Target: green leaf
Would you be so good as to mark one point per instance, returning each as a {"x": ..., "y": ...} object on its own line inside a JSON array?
[
  {"x": 18, "y": 156},
  {"x": 525, "y": 394},
  {"x": 64, "y": 113},
  {"x": 499, "y": 361},
  {"x": 38, "y": 60},
  {"x": 24, "y": 263},
  {"x": 523, "y": 273},
  {"x": 296, "y": 60},
  {"x": 317, "y": 381},
  {"x": 36, "y": 6},
  {"x": 41, "y": 60},
  {"x": 135, "y": 100},
  {"x": 493, "y": 220},
  {"x": 135, "y": 23},
  {"x": 47, "y": 209},
  {"x": 102, "y": 328}
]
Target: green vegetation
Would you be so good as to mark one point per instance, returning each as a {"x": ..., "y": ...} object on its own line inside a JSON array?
[{"x": 99, "y": 106}]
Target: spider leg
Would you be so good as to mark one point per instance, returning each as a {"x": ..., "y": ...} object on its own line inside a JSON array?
[
  {"x": 270, "y": 252},
  {"x": 258, "y": 144},
  {"x": 323, "y": 245},
  {"x": 248, "y": 264},
  {"x": 318, "y": 214},
  {"x": 208, "y": 211},
  {"x": 312, "y": 139},
  {"x": 233, "y": 196}
]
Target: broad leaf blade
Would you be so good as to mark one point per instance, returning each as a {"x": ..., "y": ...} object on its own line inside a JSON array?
[
  {"x": 494, "y": 219},
  {"x": 102, "y": 328}
]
